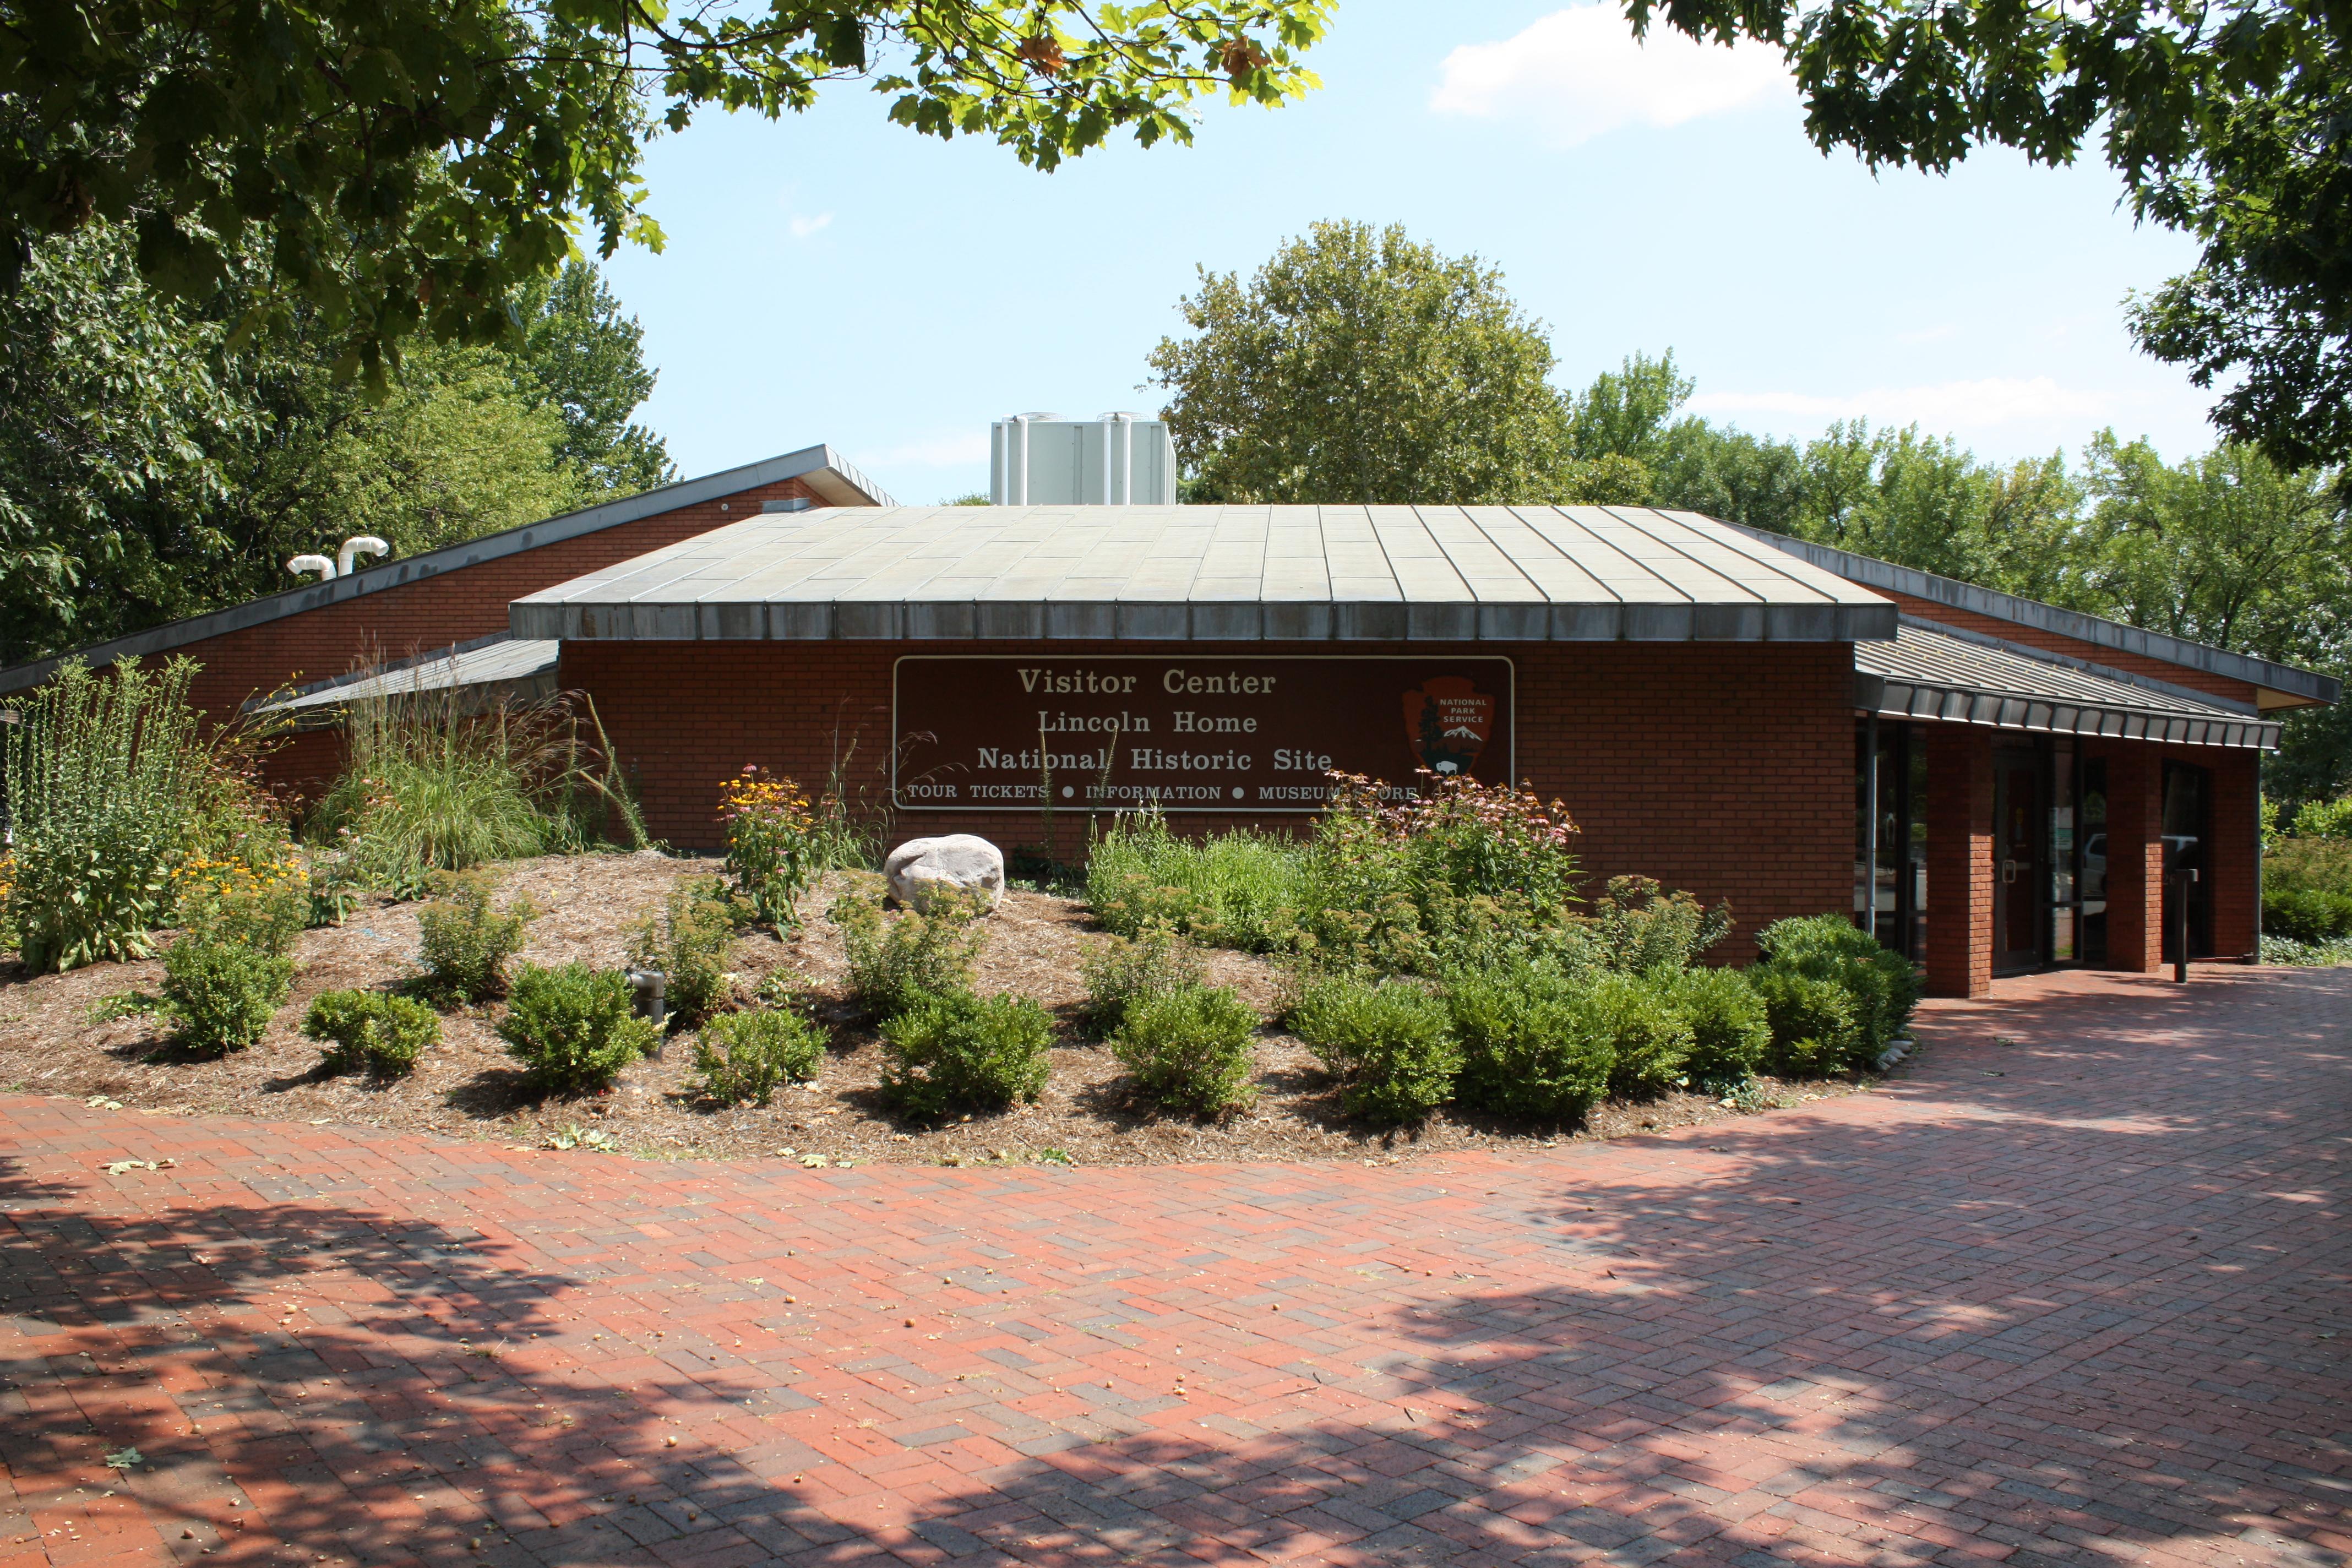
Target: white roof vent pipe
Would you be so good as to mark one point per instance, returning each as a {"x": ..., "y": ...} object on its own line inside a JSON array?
[
  {"x": 1121, "y": 459},
  {"x": 322, "y": 565},
  {"x": 362, "y": 544}
]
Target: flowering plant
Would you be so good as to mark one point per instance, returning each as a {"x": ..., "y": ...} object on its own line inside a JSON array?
[
  {"x": 772, "y": 849},
  {"x": 264, "y": 904},
  {"x": 1424, "y": 878}
]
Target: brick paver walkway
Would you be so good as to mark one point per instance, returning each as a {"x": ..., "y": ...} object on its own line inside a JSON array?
[{"x": 2069, "y": 1292}]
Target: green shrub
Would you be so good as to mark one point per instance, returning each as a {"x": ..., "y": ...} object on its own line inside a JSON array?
[
  {"x": 2324, "y": 819},
  {"x": 1119, "y": 972},
  {"x": 895, "y": 961},
  {"x": 1391, "y": 1044},
  {"x": 1815, "y": 1029},
  {"x": 1231, "y": 889},
  {"x": 1188, "y": 1046},
  {"x": 689, "y": 942},
  {"x": 749, "y": 1056},
  {"x": 1730, "y": 1029},
  {"x": 2292, "y": 864},
  {"x": 2306, "y": 914},
  {"x": 574, "y": 1027},
  {"x": 1641, "y": 925},
  {"x": 383, "y": 1034},
  {"x": 102, "y": 776},
  {"x": 466, "y": 943},
  {"x": 1883, "y": 987},
  {"x": 949, "y": 1050},
  {"x": 1811, "y": 935},
  {"x": 1527, "y": 1048},
  {"x": 223, "y": 993},
  {"x": 1649, "y": 1037},
  {"x": 1440, "y": 879}
]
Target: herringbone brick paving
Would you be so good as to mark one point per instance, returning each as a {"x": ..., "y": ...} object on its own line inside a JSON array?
[{"x": 2065, "y": 1292}]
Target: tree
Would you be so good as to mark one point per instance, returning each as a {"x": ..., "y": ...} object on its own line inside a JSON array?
[
  {"x": 1357, "y": 366},
  {"x": 2225, "y": 120},
  {"x": 2268, "y": 306},
  {"x": 154, "y": 465},
  {"x": 583, "y": 358},
  {"x": 406, "y": 164},
  {"x": 2227, "y": 548}
]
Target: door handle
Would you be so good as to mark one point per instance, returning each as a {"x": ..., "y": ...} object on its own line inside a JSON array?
[{"x": 2008, "y": 871}]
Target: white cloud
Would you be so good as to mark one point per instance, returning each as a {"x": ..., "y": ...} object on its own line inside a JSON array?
[
  {"x": 805, "y": 225},
  {"x": 1990, "y": 402},
  {"x": 1578, "y": 73},
  {"x": 937, "y": 451}
]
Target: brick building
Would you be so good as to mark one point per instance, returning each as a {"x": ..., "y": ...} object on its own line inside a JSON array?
[
  {"x": 317, "y": 636},
  {"x": 1991, "y": 784}
]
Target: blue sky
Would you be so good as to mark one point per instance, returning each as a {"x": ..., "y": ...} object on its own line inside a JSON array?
[{"x": 831, "y": 276}]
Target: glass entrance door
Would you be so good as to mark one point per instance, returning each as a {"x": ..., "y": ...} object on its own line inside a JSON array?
[{"x": 2021, "y": 860}]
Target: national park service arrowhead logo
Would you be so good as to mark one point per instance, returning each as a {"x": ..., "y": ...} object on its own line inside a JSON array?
[{"x": 1449, "y": 721}]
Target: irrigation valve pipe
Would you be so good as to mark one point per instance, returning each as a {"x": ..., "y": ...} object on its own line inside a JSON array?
[{"x": 652, "y": 1004}]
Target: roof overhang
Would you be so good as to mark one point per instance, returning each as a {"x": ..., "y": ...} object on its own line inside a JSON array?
[
  {"x": 1938, "y": 674},
  {"x": 820, "y": 467},
  {"x": 1400, "y": 573},
  {"x": 491, "y": 669},
  {"x": 2277, "y": 686}
]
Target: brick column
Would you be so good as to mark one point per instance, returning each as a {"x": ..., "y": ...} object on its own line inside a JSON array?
[
  {"x": 1959, "y": 861},
  {"x": 2230, "y": 857},
  {"x": 2135, "y": 859}
]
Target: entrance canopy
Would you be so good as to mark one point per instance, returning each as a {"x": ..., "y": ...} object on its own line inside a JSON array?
[
  {"x": 1941, "y": 673},
  {"x": 1440, "y": 573}
]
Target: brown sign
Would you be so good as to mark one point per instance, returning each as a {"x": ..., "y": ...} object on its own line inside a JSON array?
[{"x": 1196, "y": 732}]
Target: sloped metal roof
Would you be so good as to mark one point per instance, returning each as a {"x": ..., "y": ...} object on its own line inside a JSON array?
[
  {"x": 2285, "y": 685},
  {"x": 515, "y": 666},
  {"x": 1230, "y": 573},
  {"x": 1937, "y": 673},
  {"x": 820, "y": 467}
]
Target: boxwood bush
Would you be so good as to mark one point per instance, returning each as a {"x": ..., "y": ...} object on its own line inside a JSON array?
[
  {"x": 1649, "y": 1037},
  {"x": 750, "y": 1056},
  {"x": 574, "y": 1027},
  {"x": 370, "y": 1030},
  {"x": 1527, "y": 1050},
  {"x": 1881, "y": 986},
  {"x": 1391, "y": 1043},
  {"x": 1815, "y": 1029},
  {"x": 1189, "y": 1047},
  {"x": 950, "y": 1050},
  {"x": 2306, "y": 914},
  {"x": 223, "y": 994},
  {"x": 1730, "y": 1028}
]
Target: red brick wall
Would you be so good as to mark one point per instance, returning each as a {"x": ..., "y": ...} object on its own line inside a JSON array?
[
  {"x": 2234, "y": 855},
  {"x": 2072, "y": 648},
  {"x": 447, "y": 607},
  {"x": 1959, "y": 860},
  {"x": 1726, "y": 769},
  {"x": 2135, "y": 856}
]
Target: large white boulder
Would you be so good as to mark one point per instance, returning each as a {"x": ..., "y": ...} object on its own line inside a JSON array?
[{"x": 920, "y": 869}]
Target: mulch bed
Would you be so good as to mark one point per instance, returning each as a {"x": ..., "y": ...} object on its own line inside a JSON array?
[{"x": 471, "y": 1086}]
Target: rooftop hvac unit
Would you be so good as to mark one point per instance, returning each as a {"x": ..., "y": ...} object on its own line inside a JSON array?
[{"x": 1119, "y": 459}]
